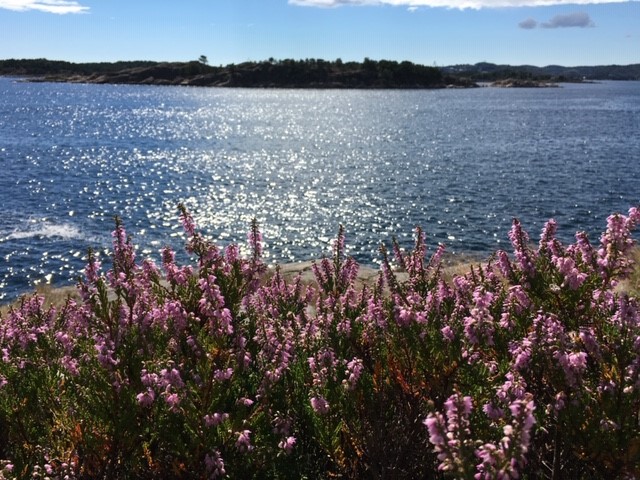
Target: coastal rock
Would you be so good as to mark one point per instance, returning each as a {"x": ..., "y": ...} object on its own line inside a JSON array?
[{"x": 521, "y": 83}]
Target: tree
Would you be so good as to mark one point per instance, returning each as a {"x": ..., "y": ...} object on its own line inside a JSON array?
[{"x": 203, "y": 59}]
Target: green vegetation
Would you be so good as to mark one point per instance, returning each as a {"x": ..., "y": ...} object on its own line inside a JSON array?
[
  {"x": 490, "y": 72},
  {"x": 308, "y": 73},
  {"x": 42, "y": 66},
  {"x": 286, "y": 73}
]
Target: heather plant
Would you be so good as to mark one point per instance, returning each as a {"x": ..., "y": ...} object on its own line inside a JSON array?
[
  {"x": 557, "y": 341},
  {"x": 526, "y": 366}
]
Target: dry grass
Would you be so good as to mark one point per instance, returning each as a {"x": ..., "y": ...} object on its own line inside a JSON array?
[
  {"x": 632, "y": 284},
  {"x": 459, "y": 265},
  {"x": 52, "y": 296},
  {"x": 453, "y": 265}
]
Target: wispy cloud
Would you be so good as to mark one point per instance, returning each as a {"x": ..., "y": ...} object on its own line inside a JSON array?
[
  {"x": 461, "y": 4},
  {"x": 528, "y": 24},
  {"x": 570, "y": 20},
  {"x": 576, "y": 19},
  {"x": 49, "y": 6}
]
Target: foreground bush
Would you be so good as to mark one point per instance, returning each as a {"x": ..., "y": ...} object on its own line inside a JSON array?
[{"x": 528, "y": 366}]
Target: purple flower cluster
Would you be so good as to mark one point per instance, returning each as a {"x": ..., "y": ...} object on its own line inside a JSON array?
[{"x": 527, "y": 363}]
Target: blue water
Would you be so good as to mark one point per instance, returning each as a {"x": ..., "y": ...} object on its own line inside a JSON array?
[{"x": 460, "y": 163}]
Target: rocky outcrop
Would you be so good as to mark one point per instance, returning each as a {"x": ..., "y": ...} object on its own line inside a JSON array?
[{"x": 522, "y": 83}]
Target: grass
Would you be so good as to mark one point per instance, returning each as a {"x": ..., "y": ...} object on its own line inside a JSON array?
[
  {"x": 632, "y": 284},
  {"x": 52, "y": 296}
]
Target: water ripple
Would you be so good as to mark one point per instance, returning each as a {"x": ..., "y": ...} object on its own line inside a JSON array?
[{"x": 459, "y": 163}]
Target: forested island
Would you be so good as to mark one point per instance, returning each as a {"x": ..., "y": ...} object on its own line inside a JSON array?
[{"x": 310, "y": 73}]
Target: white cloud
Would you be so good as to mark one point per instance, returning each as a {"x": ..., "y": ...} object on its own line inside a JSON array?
[
  {"x": 49, "y": 6},
  {"x": 461, "y": 4}
]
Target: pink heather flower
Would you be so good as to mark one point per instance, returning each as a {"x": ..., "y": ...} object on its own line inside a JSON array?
[
  {"x": 449, "y": 437},
  {"x": 247, "y": 402},
  {"x": 588, "y": 338},
  {"x": 453, "y": 404},
  {"x": 243, "y": 443},
  {"x": 573, "y": 365},
  {"x": 173, "y": 400},
  {"x": 287, "y": 444},
  {"x": 513, "y": 388},
  {"x": 404, "y": 316},
  {"x": 504, "y": 265},
  {"x": 522, "y": 411},
  {"x": 435, "y": 424},
  {"x": 480, "y": 324},
  {"x": 146, "y": 399},
  {"x": 567, "y": 267},
  {"x": 222, "y": 375},
  {"x": 353, "y": 372},
  {"x": 505, "y": 459},
  {"x": 519, "y": 240},
  {"x": 319, "y": 405},
  {"x": 215, "y": 419},
  {"x": 148, "y": 379},
  {"x": 578, "y": 361},
  {"x": 522, "y": 354},
  {"x": 482, "y": 298},
  {"x": 214, "y": 465},
  {"x": 92, "y": 270},
  {"x": 69, "y": 364},
  {"x": 493, "y": 412},
  {"x": 171, "y": 377},
  {"x": 615, "y": 244},
  {"x": 437, "y": 255},
  {"x": 548, "y": 234},
  {"x": 584, "y": 247},
  {"x": 232, "y": 253},
  {"x": 447, "y": 333},
  {"x": 188, "y": 223}
]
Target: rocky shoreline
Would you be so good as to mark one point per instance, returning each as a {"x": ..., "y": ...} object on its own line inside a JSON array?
[
  {"x": 284, "y": 74},
  {"x": 523, "y": 83}
]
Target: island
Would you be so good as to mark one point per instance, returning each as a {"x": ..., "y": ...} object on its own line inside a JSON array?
[{"x": 311, "y": 73}]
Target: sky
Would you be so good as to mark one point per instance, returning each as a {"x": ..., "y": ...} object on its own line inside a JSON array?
[{"x": 429, "y": 32}]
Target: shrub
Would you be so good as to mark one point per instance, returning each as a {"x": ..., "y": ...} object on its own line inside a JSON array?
[{"x": 528, "y": 366}]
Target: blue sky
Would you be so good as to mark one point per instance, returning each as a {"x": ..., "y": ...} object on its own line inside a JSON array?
[{"x": 444, "y": 32}]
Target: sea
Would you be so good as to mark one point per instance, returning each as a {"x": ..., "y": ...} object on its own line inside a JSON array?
[{"x": 461, "y": 164}]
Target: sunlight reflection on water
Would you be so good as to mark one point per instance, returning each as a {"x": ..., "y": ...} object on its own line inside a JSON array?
[{"x": 459, "y": 163}]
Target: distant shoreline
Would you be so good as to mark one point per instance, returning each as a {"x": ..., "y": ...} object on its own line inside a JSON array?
[{"x": 311, "y": 74}]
